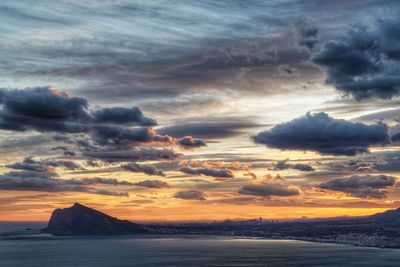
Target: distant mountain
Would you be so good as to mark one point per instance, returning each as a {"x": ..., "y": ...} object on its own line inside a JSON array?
[
  {"x": 82, "y": 220},
  {"x": 388, "y": 216}
]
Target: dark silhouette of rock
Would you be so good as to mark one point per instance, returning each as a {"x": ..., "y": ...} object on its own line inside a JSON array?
[{"x": 81, "y": 220}]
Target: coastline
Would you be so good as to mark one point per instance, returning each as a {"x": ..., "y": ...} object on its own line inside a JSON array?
[{"x": 373, "y": 241}]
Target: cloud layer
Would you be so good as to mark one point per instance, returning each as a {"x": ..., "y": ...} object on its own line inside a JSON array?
[
  {"x": 145, "y": 168},
  {"x": 48, "y": 182},
  {"x": 269, "y": 189},
  {"x": 366, "y": 62},
  {"x": 191, "y": 195},
  {"x": 368, "y": 186},
  {"x": 48, "y": 110},
  {"x": 153, "y": 184},
  {"x": 283, "y": 165},
  {"x": 217, "y": 173},
  {"x": 325, "y": 135}
]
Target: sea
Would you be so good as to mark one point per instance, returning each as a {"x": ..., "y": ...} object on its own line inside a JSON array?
[{"x": 22, "y": 244}]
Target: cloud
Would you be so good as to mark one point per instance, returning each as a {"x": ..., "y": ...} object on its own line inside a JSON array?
[
  {"x": 287, "y": 71},
  {"x": 43, "y": 103},
  {"x": 283, "y": 165},
  {"x": 366, "y": 62},
  {"x": 189, "y": 141},
  {"x": 49, "y": 110},
  {"x": 307, "y": 34},
  {"x": 395, "y": 137},
  {"x": 107, "y": 134},
  {"x": 251, "y": 174},
  {"x": 99, "y": 180},
  {"x": 30, "y": 167},
  {"x": 216, "y": 164},
  {"x": 217, "y": 173},
  {"x": 325, "y": 135},
  {"x": 367, "y": 186},
  {"x": 69, "y": 153},
  {"x": 42, "y": 109},
  {"x": 219, "y": 129},
  {"x": 62, "y": 148},
  {"x": 125, "y": 67},
  {"x": 46, "y": 182},
  {"x": 153, "y": 184},
  {"x": 13, "y": 143},
  {"x": 147, "y": 169},
  {"x": 55, "y": 163},
  {"x": 108, "y": 192},
  {"x": 45, "y": 109},
  {"x": 135, "y": 154},
  {"x": 46, "y": 165},
  {"x": 269, "y": 189},
  {"x": 131, "y": 116},
  {"x": 191, "y": 194}
]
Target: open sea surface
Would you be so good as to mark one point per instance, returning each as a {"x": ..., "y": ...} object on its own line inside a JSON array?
[{"x": 22, "y": 247}]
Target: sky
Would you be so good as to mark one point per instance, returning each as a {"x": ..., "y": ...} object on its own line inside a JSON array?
[{"x": 199, "y": 110}]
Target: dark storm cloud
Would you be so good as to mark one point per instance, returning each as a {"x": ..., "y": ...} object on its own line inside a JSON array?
[
  {"x": 42, "y": 109},
  {"x": 47, "y": 110},
  {"x": 283, "y": 165},
  {"x": 189, "y": 141},
  {"x": 325, "y": 135},
  {"x": 191, "y": 194},
  {"x": 43, "y": 103},
  {"x": 153, "y": 184},
  {"x": 123, "y": 116},
  {"x": 136, "y": 154},
  {"x": 47, "y": 182},
  {"x": 267, "y": 190},
  {"x": 217, "y": 173},
  {"x": 145, "y": 168},
  {"x": 367, "y": 186},
  {"x": 366, "y": 62}
]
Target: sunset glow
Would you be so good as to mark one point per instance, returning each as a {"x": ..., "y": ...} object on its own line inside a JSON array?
[{"x": 200, "y": 111}]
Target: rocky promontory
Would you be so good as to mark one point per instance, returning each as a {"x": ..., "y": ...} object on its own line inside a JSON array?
[{"x": 82, "y": 220}]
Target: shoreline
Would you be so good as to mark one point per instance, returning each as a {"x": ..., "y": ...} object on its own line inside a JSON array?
[{"x": 17, "y": 236}]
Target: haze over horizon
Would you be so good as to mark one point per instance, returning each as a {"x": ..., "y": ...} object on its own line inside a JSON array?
[{"x": 199, "y": 110}]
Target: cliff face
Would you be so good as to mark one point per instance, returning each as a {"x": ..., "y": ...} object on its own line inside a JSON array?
[{"x": 81, "y": 220}]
